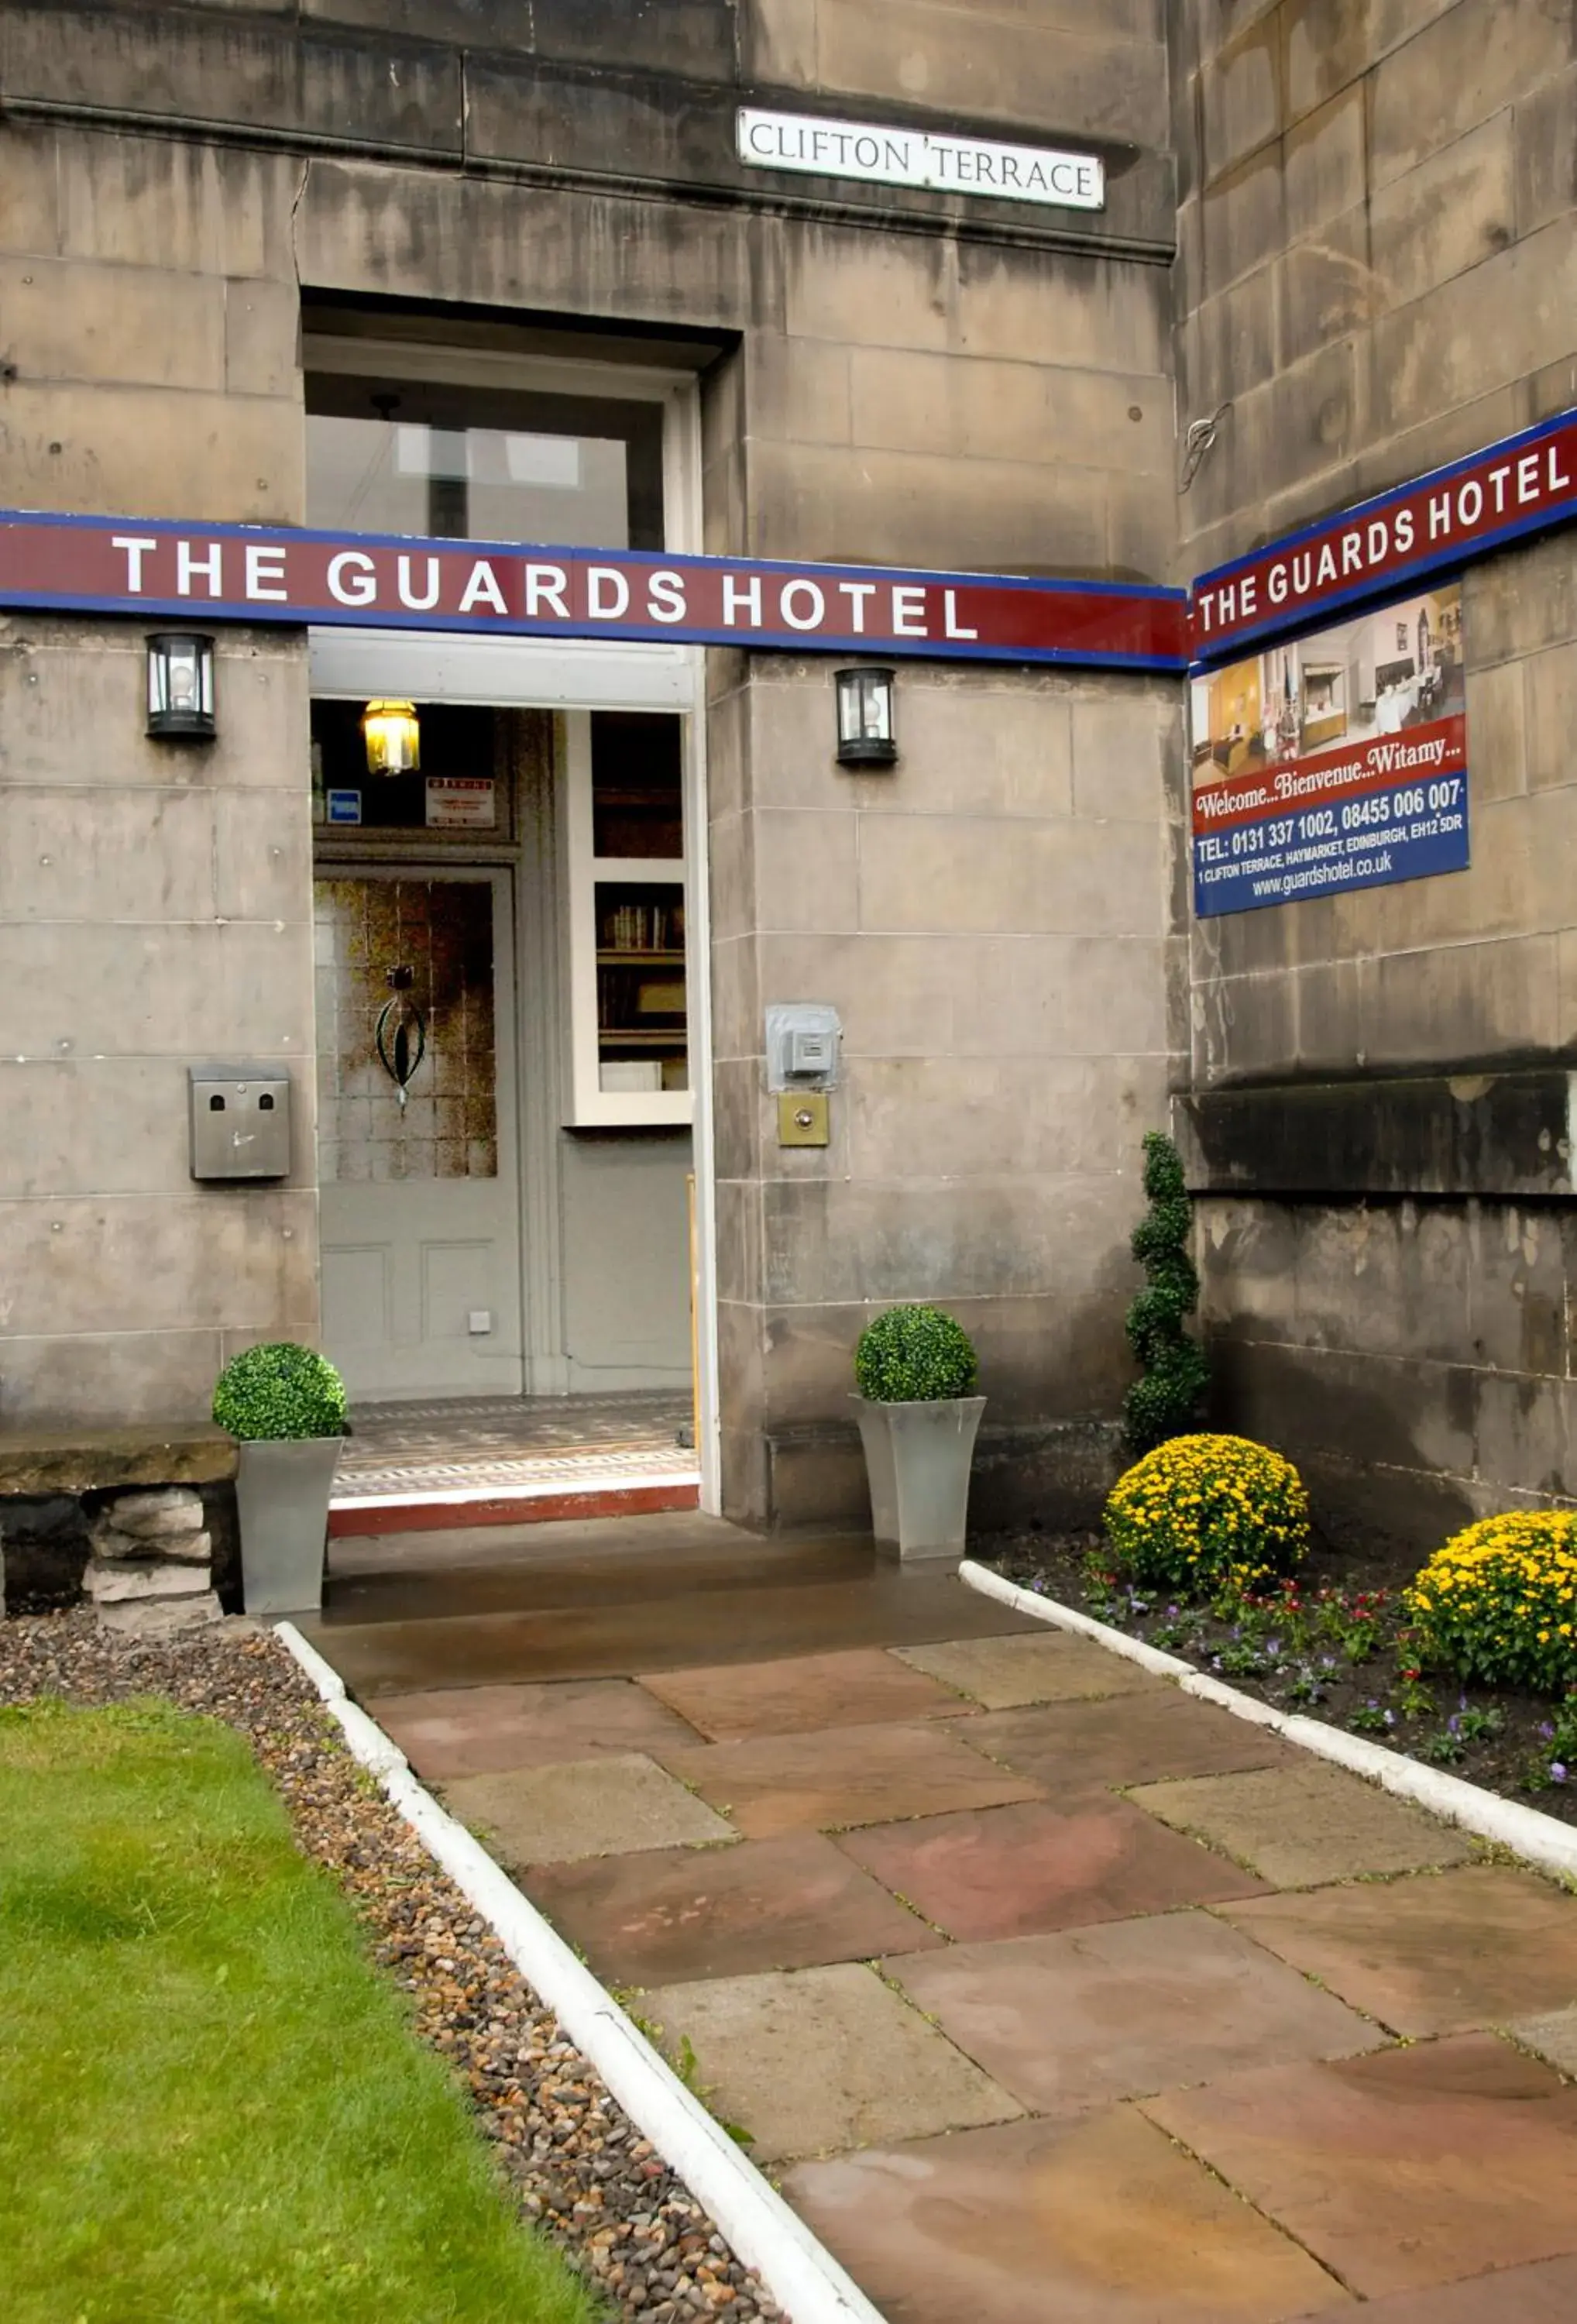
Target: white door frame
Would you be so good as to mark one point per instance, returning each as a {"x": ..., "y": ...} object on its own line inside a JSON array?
[{"x": 571, "y": 674}]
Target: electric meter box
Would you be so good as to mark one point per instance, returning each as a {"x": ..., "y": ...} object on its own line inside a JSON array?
[{"x": 240, "y": 1121}]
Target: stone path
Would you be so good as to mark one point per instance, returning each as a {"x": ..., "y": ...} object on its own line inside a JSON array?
[{"x": 1046, "y": 1992}]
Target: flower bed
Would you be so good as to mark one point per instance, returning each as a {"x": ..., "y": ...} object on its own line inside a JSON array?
[{"x": 1336, "y": 1643}]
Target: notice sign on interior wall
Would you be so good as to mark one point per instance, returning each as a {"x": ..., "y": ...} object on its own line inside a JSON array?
[
  {"x": 1334, "y": 761},
  {"x": 461, "y": 803}
]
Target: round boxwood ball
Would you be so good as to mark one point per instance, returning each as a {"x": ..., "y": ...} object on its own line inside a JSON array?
[
  {"x": 914, "y": 1355},
  {"x": 280, "y": 1391}
]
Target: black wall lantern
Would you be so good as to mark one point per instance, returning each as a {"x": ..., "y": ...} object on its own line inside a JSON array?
[
  {"x": 181, "y": 685},
  {"x": 866, "y": 735}
]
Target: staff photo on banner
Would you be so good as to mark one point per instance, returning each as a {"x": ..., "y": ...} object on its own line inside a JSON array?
[{"x": 1332, "y": 760}]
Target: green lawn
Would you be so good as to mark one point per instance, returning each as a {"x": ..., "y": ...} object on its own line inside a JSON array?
[{"x": 211, "y": 2109}]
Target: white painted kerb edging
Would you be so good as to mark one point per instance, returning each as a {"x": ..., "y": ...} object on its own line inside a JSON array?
[
  {"x": 1541, "y": 1839},
  {"x": 804, "y": 2279}
]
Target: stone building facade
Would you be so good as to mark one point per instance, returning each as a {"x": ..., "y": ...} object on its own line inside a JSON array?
[
  {"x": 1319, "y": 218},
  {"x": 1376, "y": 270}
]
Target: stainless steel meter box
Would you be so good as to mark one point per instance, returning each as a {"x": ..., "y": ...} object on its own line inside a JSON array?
[{"x": 240, "y": 1121}]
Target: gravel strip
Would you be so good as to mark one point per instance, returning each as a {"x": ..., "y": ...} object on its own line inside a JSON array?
[{"x": 581, "y": 2168}]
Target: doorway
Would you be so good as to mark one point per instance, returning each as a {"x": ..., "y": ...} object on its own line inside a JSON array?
[{"x": 502, "y": 934}]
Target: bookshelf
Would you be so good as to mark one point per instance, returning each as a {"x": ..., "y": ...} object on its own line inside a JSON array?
[{"x": 624, "y": 872}]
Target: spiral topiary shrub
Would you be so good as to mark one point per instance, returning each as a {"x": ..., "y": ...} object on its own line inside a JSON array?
[
  {"x": 1499, "y": 1603},
  {"x": 1199, "y": 1512},
  {"x": 1166, "y": 1401},
  {"x": 914, "y": 1355},
  {"x": 279, "y": 1391}
]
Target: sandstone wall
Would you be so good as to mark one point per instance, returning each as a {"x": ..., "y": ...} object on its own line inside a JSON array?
[{"x": 1376, "y": 270}]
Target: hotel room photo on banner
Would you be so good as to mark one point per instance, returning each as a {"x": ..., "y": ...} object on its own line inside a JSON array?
[{"x": 1332, "y": 760}]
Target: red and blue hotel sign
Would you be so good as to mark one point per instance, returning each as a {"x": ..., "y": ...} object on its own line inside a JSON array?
[
  {"x": 1328, "y": 686},
  {"x": 244, "y": 573},
  {"x": 1327, "y": 670}
]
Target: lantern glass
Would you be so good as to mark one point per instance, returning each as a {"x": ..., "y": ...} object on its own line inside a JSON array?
[
  {"x": 866, "y": 731},
  {"x": 393, "y": 734},
  {"x": 180, "y": 684}
]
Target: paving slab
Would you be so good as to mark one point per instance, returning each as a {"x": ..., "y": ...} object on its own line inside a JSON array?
[
  {"x": 1016, "y": 1871},
  {"x": 1098, "y": 2220},
  {"x": 730, "y": 1703},
  {"x": 587, "y": 1807},
  {"x": 1301, "y": 1826},
  {"x": 843, "y": 1775},
  {"x": 1075, "y": 1749},
  {"x": 1543, "y": 2293},
  {"x": 482, "y": 1730},
  {"x": 1002, "y": 1673},
  {"x": 1484, "y": 1945},
  {"x": 664, "y": 1918},
  {"x": 1554, "y": 2035},
  {"x": 1408, "y": 2169},
  {"x": 1076, "y": 2021},
  {"x": 823, "y": 2058}
]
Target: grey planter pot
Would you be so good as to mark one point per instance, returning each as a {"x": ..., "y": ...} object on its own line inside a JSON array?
[
  {"x": 918, "y": 1457},
  {"x": 281, "y": 1491}
]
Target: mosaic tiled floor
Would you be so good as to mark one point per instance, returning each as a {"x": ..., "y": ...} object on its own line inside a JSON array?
[{"x": 514, "y": 1445}]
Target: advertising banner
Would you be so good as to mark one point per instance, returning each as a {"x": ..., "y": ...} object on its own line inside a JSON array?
[{"x": 1333, "y": 760}]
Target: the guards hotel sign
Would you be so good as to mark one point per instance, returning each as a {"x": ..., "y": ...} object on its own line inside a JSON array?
[{"x": 1335, "y": 758}]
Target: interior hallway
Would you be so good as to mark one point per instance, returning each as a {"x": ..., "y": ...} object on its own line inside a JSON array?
[{"x": 1043, "y": 1990}]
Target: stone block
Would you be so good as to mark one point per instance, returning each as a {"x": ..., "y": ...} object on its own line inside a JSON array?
[
  {"x": 65, "y": 684},
  {"x": 806, "y": 873},
  {"x": 160, "y": 1516},
  {"x": 114, "y": 1379},
  {"x": 1467, "y": 1001},
  {"x": 146, "y": 1264},
  {"x": 971, "y": 875},
  {"x": 1497, "y": 760},
  {"x": 855, "y": 506},
  {"x": 1322, "y": 161},
  {"x": 135, "y": 1551},
  {"x": 189, "y": 991},
  {"x": 1242, "y": 220},
  {"x": 798, "y": 391},
  {"x": 989, "y": 1117},
  {"x": 1326, "y": 288},
  {"x": 779, "y": 38},
  {"x": 145, "y": 201},
  {"x": 146, "y": 1580},
  {"x": 106, "y": 450},
  {"x": 246, "y": 75},
  {"x": 263, "y": 338},
  {"x": 1545, "y": 145},
  {"x": 30, "y": 219},
  {"x": 70, "y": 320},
  {"x": 1467, "y": 64},
  {"x": 1523, "y": 599},
  {"x": 1228, "y": 343},
  {"x": 1107, "y": 85},
  {"x": 1120, "y": 751},
  {"x": 363, "y": 228},
  {"x": 1509, "y": 317},
  {"x": 263, "y": 853},
  {"x": 1239, "y": 95},
  {"x": 1443, "y": 217},
  {"x": 1551, "y": 679},
  {"x": 97, "y": 853},
  {"x": 160, "y": 1618}
]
